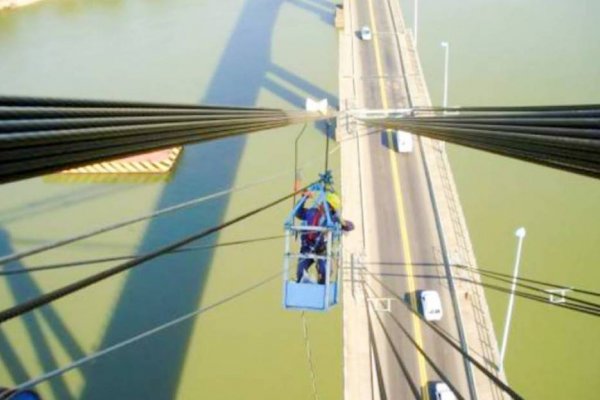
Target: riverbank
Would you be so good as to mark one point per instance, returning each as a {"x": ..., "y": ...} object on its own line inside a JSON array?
[{"x": 11, "y": 4}]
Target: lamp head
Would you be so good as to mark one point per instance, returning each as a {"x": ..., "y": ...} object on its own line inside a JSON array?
[{"x": 520, "y": 233}]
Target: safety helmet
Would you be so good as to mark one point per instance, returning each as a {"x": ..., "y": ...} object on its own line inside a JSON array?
[{"x": 334, "y": 200}]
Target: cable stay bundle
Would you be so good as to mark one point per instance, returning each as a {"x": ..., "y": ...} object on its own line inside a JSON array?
[
  {"x": 562, "y": 137},
  {"x": 40, "y": 136}
]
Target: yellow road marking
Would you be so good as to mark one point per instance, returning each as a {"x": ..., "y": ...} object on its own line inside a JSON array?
[{"x": 400, "y": 210}]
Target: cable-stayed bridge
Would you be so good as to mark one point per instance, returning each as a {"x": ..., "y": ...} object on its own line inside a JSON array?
[{"x": 411, "y": 232}]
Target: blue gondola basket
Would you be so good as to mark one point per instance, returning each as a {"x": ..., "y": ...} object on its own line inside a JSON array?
[{"x": 308, "y": 296}]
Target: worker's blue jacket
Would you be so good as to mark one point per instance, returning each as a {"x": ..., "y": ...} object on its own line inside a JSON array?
[{"x": 316, "y": 241}]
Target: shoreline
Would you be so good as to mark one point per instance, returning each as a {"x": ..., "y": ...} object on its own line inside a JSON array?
[{"x": 12, "y": 4}]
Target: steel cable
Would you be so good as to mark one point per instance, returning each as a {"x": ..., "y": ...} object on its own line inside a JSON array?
[
  {"x": 4, "y": 259},
  {"x": 527, "y": 279},
  {"x": 92, "y": 261},
  {"x": 117, "y": 346},
  {"x": 562, "y": 137},
  {"x": 420, "y": 349},
  {"x": 573, "y": 304},
  {"x": 512, "y": 109},
  {"x": 121, "y": 224},
  {"x": 49, "y": 297},
  {"x": 24, "y": 101},
  {"x": 497, "y": 381},
  {"x": 592, "y": 305},
  {"x": 40, "y": 136},
  {"x": 11, "y": 128},
  {"x": 582, "y": 154},
  {"x": 491, "y": 274},
  {"x": 40, "y": 166},
  {"x": 122, "y": 142}
]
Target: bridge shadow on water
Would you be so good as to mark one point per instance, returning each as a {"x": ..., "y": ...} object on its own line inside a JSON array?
[
  {"x": 23, "y": 287},
  {"x": 156, "y": 293},
  {"x": 46, "y": 205}
]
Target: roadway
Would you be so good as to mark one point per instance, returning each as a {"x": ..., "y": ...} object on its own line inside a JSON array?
[{"x": 402, "y": 248}]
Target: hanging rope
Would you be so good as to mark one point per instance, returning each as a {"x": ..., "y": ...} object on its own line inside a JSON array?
[
  {"x": 311, "y": 367},
  {"x": 327, "y": 148},
  {"x": 296, "y": 171}
]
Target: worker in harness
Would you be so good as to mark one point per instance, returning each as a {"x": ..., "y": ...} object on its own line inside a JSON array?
[{"x": 315, "y": 242}]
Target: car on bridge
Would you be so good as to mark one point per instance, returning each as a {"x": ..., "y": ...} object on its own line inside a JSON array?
[
  {"x": 365, "y": 33},
  {"x": 430, "y": 305},
  {"x": 438, "y": 391},
  {"x": 404, "y": 142}
]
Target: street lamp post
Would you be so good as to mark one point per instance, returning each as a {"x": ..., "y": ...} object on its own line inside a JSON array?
[
  {"x": 520, "y": 233},
  {"x": 446, "y": 47},
  {"x": 416, "y": 20}
]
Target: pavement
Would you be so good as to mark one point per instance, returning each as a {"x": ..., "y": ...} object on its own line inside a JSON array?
[{"x": 396, "y": 249}]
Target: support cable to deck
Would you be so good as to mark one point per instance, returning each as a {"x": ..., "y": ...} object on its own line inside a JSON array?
[
  {"x": 421, "y": 350},
  {"x": 5, "y": 259},
  {"x": 121, "y": 224},
  {"x": 92, "y": 261},
  {"x": 403, "y": 367},
  {"x": 150, "y": 332},
  {"x": 585, "y": 303},
  {"x": 459, "y": 322},
  {"x": 584, "y": 307},
  {"x": 491, "y": 273},
  {"x": 497, "y": 381},
  {"x": 567, "y": 302},
  {"x": 49, "y": 297}
]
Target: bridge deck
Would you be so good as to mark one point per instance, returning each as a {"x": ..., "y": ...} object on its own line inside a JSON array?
[{"x": 397, "y": 242}]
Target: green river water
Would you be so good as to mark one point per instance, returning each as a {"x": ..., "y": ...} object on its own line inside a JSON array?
[
  {"x": 275, "y": 53},
  {"x": 529, "y": 52}
]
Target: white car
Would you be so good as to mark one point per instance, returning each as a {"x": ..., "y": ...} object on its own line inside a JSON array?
[
  {"x": 440, "y": 391},
  {"x": 404, "y": 142},
  {"x": 365, "y": 33},
  {"x": 431, "y": 305}
]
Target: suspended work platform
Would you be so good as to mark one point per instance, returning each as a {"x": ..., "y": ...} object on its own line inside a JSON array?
[
  {"x": 320, "y": 245},
  {"x": 310, "y": 296}
]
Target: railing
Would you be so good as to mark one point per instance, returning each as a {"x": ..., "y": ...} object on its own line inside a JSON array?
[{"x": 463, "y": 257}]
